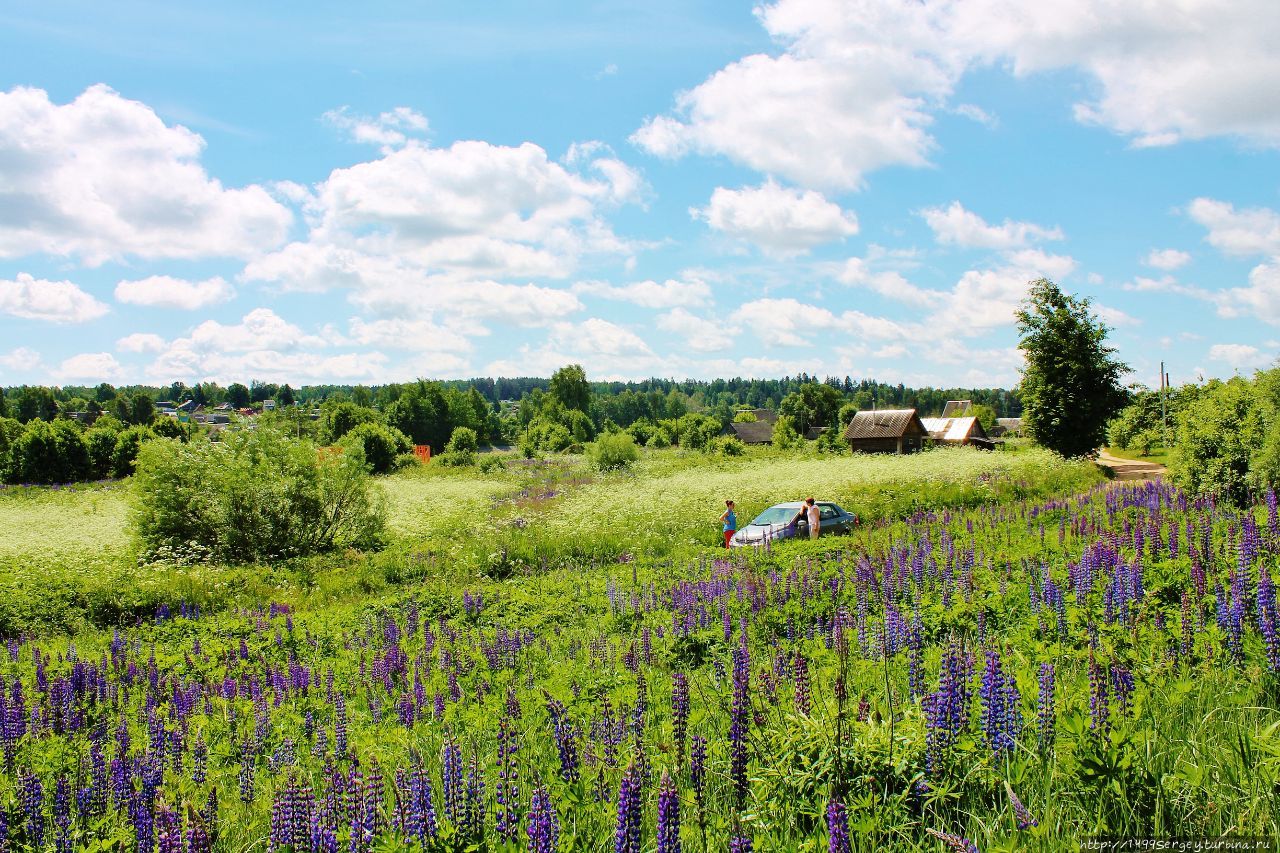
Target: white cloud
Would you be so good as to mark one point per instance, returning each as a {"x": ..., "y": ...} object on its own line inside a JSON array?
[
  {"x": 1241, "y": 356},
  {"x": 1167, "y": 259},
  {"x": 699, "y": 334},
  {"x": 956, "y": 226},
  {"x": 388, "y": 130},
  {"x": 162, "y": 291},
  {"x": 1259, "y": 300},
  {"x": 20, "y": 360},
  {"x": 104, "y": 177},
  {"x": 782, "y": 222},
  {"x": 89, "y": 368},
  {"x": 598, "y": 337},
  {"x": 141, "y": 342},
  {"x": 1251, "y": 231},
  {"x": 790, "y": 323},
  {"x": 419, "y": 335},
  {"x": 53, "y": 301},
  {"x": 890, "y": 284},
  {"x": 857, "y": 82},
  {"x": 690, "y": 293}
]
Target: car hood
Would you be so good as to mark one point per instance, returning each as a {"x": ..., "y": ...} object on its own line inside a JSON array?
[{"x": 761, "y": 532}]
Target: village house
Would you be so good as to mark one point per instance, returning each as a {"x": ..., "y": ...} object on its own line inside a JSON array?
[
  {"x": 886, "y": 431},
  {"x": 958, "y": 431}
]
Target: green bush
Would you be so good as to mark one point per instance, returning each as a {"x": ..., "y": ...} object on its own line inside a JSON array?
[
  {"x": 461, "y": 449},
  {"x": 784, "y": 433},
  {"x": 340, "y": 418},
  {"x": 492, "y": 463},
  {"x": 382, "y": 446},
  {"x": 256, "y": 495},
  {"x": 102, "y": 450},
  {"x": 10, "y": 429},
  {"x": 612, "y": 450},
  {"x": 126, "y": 449},
  {"x": 728, "y": 445},
  {"x": 48, "y": 452}
]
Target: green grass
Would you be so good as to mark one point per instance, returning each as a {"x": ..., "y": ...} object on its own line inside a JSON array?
[
  {"x": 66, "y": 559},
  {"x": 1159, "y": 455}
]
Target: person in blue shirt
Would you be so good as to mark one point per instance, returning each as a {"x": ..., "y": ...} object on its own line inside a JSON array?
[{"x": 730, "y": 520}]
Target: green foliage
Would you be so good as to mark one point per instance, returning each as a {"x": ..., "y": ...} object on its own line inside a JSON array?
[
  {"x": 544, "y": 436},
  {"x": 257, "y": 495},
  {"x": 340, "y": 418},
  {"x": 746, "y": 416},
  {"x": 491, "y": 463},
  {"x": 813, "y": 404},
  {"x": 461, "y": 449},
  {"x": 381, "y": 446},
  {"x": 1071, "y": 383},
  {"x": 612, "y": 451},
  {"x": 101, "y": 444},
  {"x": 10, "y": 429},
  {"x": 845, "y": 416},
  {"x": 1229, "y": 438},
  {"x": 238, "y": 395},
  {"x": 728, "y": 445},
  {"x": 832, "y": 441},
  {"x": 785, "y": 435},
  {"x": 127, "y": 446},
  {"x": 696, "y": 432},
  {"x": 985, "y": 415},
  {"x": 142, "y": 410},
  {"x": 569, "y": 387},
  {"x": 47, "y": 452}
]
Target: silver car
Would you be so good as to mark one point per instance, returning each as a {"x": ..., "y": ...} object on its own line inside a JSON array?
[{"x": 776, "y": 523}]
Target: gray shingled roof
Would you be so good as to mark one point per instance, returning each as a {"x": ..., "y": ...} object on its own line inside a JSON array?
[
  {"x": 755, "y": 432},
  {"x": 882, "y": 423}
]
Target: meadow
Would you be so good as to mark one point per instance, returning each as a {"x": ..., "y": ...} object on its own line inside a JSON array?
[{"x": 1007, "y": 655}]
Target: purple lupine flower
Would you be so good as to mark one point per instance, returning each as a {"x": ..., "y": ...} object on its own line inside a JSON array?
[
  {"x": 566, "y": 738},
  {"x": 62, "y": 815},
  {"x": 508, "y": 788},
  {"x": 626, "y": 838},
  {"x": 740, "y": 844},
  {"x": 544, "y": 826},
  {"x": 451, "y": 781},
  {"x": 340, "y": 724},
  {"x": 739, "y": 720},
  {"x": 679, "y": 713},
  {"x": 1268, "y": 621},
  {"x": 802, "y": 685},
  {"x": 1122, "y": 685},
  {"x": 31, "y": 796},
  {"x": 996, "y": 722},
  {"x": 698, "y": 768},
  {"x": 668, "y": 816},
  {"x": 473, "y": 810},
  {"x": 1020, "y": 813},
  {"x": 422, "y": 811},
  {"x": 838, "y": 840},
  {"x": 169, "y": 830},
  {"x": 1046, "y": 714},
  {"x": 958, "y": 843},
  {"x": 1099, "y": 710}
]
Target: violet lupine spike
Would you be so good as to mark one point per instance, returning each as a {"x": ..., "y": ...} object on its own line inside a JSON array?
[
  {"x": 679, "y": 713},
  {"x": 508, "y": 788},
  {"x": 838, "y": 840},
  {"x": 451, "y": 781},
  {"x": 739, "y": 721},
  {"x": 1046, "y": 714},
  {"x": 958, "y": 843},
  {"x": 801, "y": 667},
  {"x": 1021, "y": 815},
  {"x": 626, "y": 837},
  {"x": 668, "y": 816},
  {"x": 543, "y": 829},
  {"x": 698, "y": 767},
  {"x": 740, "y": 844},
  {"x": 1099, "y": 709}
]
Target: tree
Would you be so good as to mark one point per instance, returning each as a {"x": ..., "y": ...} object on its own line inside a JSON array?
[
  {"x": 285, "y": 397},
  {"x": 985, "y": 415},
  {"x": 36, "y": 403},
  {"x": 238, "y": 395},
  {"x": 1071, "y": 383},
  {"x": 340, "y": 419},
  {"x": 569, "y": 386},
  {"x": 784, "y": 433},
  {"x": 142, "y": 410},
  {"x": 812, "y": 405},
  {"x": 845, "y": 416},
  {"x": 105, "y": 392}
]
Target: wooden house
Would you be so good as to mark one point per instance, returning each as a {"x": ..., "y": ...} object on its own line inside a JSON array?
[
  {"x": 957, "y": 432},
  {"x": 886, "y": 431}
]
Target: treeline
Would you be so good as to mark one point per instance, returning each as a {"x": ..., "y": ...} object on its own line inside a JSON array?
[{"x": 1223, "y": 438}]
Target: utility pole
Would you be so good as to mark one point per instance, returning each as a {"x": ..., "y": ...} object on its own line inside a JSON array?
[{"x": 1164, "y": 415}]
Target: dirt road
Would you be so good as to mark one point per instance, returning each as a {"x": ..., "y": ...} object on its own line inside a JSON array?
[{"x": 1131, "y": 469}]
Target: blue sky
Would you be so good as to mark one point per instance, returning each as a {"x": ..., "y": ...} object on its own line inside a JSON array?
[{"x": 328, "y": 193}]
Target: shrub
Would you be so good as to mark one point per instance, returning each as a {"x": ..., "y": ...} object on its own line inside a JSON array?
[
  {"x": 612, "y": 450},
  {"x": 49, "y": 453},
  {"x": 382, "y": 446},
  {"x": 746, "y": 416},
  {"x": 128, "y": 443},
  {"x": 661, "y": 438},
  {"x": 10, "y": 429},
  {"x": 461, "y": 449},
  {"x": 728, "y": 445},
  {"x": 255, "y": 495},
  {"x": 698, "y": 431},
  {"x": 545, "y": 435},
  {"x": 340, "y": 418},
  {"x": 784, "y": 433},
  {"x": 492, "y": 463},
  {"x": 102, "y": 450}
]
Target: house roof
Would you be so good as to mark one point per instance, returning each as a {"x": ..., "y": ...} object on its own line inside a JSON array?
[
  {"x": 882, "y": 423},
  {"x": 813, "y": 433},
  {"x": 956, "y": 408},
  {"x": 755, "y": 432},
  {"x": 1010, "y": 423},
  {"x": 768, "y": 416},
  {"x": 953, "y": 429}
]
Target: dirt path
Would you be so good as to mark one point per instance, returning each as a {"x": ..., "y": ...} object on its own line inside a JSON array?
[{"x": 1131, "y": 469}]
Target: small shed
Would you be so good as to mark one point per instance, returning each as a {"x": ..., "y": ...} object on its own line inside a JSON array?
[
  {"x": 957, "y": 408},
  {"x": 958, "y": 431},
  {"x": 886, "y": 431},
  {"x": 1007, "y": 426},
  {"x": 753, "y": 432}
]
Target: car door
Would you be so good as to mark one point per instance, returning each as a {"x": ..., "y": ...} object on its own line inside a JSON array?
[{"x": 833, "y": 520}]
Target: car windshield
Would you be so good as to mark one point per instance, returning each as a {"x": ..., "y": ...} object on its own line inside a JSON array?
[{"x": 776, "y": 515}]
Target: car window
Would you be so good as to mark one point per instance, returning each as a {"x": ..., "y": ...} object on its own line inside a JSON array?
[
  {"x": 829, "y": 511},
  {"x": 775, "y": 515}
]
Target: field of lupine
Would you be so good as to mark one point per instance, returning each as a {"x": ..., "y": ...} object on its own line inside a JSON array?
[{"x": 1011, "y": 677}]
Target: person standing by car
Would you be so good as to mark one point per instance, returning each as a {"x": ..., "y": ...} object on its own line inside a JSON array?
[
  {"x": 809, "y": 512},
  {"x": 730, "y": 520}
]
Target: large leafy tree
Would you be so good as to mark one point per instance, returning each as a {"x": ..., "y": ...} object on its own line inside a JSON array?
[
  {"x": 569, "y": 386},
  {"x": 814, "y": 404},
  {"x": 1071, "y": 382}
]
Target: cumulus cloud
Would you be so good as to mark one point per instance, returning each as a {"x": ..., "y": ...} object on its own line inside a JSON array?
[
  {"x": 141, "y": 342},
  {"x": 953, "y": 225},
  {"x": 103, "y": 177},
  {"x": 89, "y": 368},
  {"x": 52, "y": 301},
  {"x": 418, "y": 335},
  {"x": 855, "y": 84},
  {"x": 1259, "y": 299},
  {"x": 782, "y": 222},
  {"x": 20, "y": 360},
  {"x": 162, "y": 291},
  {"x": 1241, "y": 356},
  {"x": 1167, "y": 259},
  {"x": 890, "y": 284},
  {"x": 1252, "y": 231},
  {"x": 388, "y": 130},
  {"x": 689, "y": 293},
  {"x": 700, "y": 334}
]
